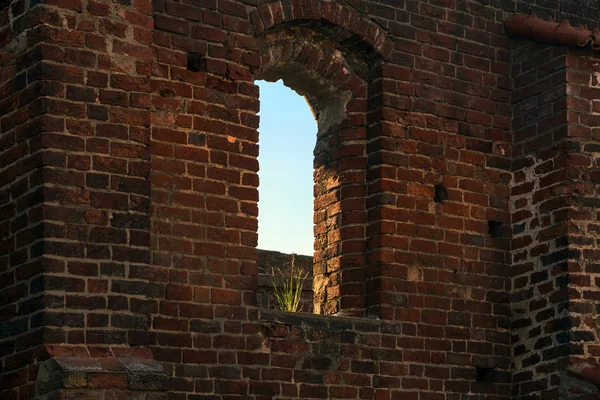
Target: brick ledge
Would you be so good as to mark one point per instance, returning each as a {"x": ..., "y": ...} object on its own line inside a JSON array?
[
  {"x": 584, "y": 369},
  {"x": 291, "y": 318},
  {"x": 122, "y": 373}
]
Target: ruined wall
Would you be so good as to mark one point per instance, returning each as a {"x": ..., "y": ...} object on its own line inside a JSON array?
[{"x": 148, "y": 280}]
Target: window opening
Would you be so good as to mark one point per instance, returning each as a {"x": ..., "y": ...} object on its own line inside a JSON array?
[{"x": 287, "y": 137}]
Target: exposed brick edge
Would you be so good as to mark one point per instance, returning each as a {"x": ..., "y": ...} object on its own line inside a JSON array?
[
  {"x": 548, "y": 31},
  {"x": 585, "y": 370},
  {"x": 122, "y": 373},
  {"x": 273, "y": 14}
]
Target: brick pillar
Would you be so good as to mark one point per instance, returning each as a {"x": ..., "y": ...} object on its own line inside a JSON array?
[
  {"x": 439, "y": 169},
  {"x": 578, "y": 328},
  {"x": 26, "y": 128},
  {"x": 554, "y": 197},
  {"x": 75, "y": 183},
  {"x": 583, "y": 114},
  {"x": 539, "y": 192},
  {"x": 97, "y": 193}
]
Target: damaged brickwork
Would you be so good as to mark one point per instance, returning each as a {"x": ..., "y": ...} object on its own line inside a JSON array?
[{"x": 456, "y": 200}]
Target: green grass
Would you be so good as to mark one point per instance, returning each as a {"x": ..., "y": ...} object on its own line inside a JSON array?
[{"x": 289, "y": 295}]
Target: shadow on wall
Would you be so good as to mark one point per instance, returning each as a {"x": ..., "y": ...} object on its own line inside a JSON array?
[{"x": 280, "y": 261}]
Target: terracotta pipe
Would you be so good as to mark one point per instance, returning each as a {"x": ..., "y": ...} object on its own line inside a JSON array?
[{"x": 549, "y": 31}]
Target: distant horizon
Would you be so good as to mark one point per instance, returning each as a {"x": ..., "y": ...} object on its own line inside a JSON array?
[{"x": 287, "y": 137}]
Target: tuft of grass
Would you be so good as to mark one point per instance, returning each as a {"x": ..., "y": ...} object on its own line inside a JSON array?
[{"x": 289, "y": 295}]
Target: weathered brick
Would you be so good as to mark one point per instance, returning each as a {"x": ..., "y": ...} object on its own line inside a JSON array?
[{"x": 128, "y": 195}]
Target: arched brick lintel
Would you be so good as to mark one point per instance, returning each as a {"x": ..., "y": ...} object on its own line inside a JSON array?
[
  {"x": 332, "y": 71},
  {"x": 282, "y": 12}
]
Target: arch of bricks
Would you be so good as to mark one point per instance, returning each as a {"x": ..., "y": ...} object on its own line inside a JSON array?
[
  {"x": 279, "y": 13},
  {"x": 457, "y": 176}
]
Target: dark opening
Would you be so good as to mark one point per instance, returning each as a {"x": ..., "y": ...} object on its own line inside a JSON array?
[
  {"x": 197, "y": 139},
  {"x": 441, "y": 193},
  {"x": 196, "y": 62},
  {"x": 495, "y": 229},
  {"x": 166, "y": 92},
  {"x": 485, "y": 374}
]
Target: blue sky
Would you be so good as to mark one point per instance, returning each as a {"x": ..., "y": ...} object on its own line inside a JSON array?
[{"x": 287, "y": 136}]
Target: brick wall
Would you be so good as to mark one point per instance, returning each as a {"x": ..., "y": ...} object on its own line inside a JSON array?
[{"x": 128, "y": 200}]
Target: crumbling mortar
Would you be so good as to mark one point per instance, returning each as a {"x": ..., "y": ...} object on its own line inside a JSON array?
[{"x": 531, "y": 176}]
